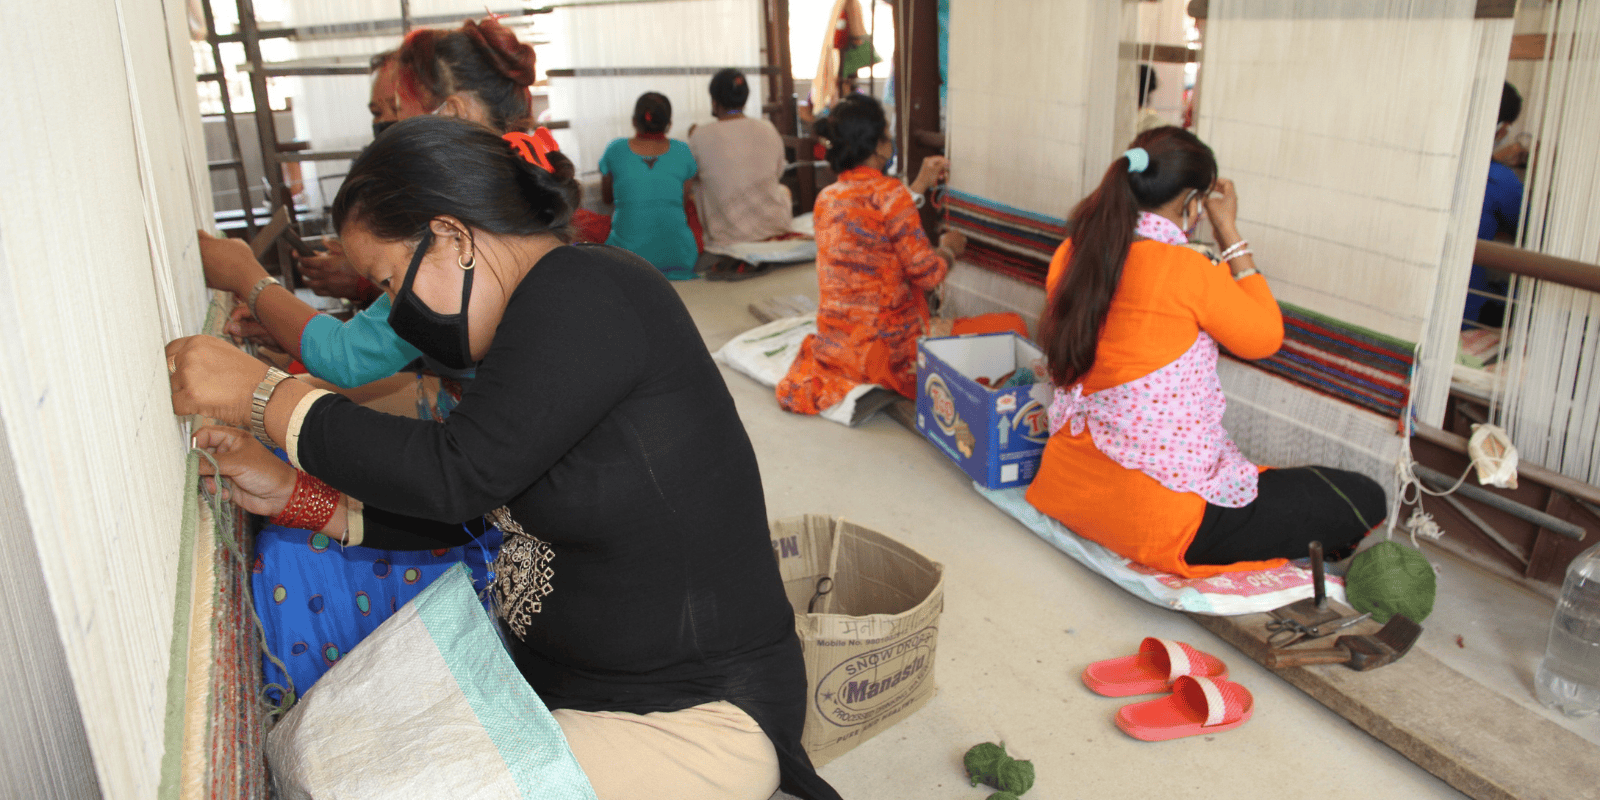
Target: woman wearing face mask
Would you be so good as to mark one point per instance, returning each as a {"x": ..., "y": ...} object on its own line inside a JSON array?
[
  {"x": 598, "y": 433},
  {"x": 479, "y": 72},
  {"x": 1137, "y": 458},
  {"x": 356, "y": 597},
  {"x": 874, "y": 263}
]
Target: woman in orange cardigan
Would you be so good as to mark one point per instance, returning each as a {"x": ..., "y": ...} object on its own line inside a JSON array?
[
  {"x": 1137, "y": 458},
  {"x": 874, "y": 264}
]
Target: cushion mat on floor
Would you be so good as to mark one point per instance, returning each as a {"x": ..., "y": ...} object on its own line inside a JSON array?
[
  {"x": 765, "y": 353},
  {"x": 1227, "y": 594}
]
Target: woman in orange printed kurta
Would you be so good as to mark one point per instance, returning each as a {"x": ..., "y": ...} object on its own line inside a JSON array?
[
  {"x": 873, "y": 265},
  {"x": 1127, "y": 316}
]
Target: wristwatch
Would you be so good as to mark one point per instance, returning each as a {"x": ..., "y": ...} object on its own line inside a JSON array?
[
  {"x": 255, "y": 292},
  {"x": 258, "y": 404},
  {"x": 919, "y": 199}
]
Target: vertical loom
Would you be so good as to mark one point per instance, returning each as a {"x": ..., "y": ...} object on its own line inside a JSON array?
[
  {"x": 1360, "y": 157},
  {"x": 1551, "y": 405},
  {"x": 105, "y": 184},
  {"x": 597, "y": 72},
  {"x": 1034, "y": 118},
  {"x": 1358, "y": 134}
]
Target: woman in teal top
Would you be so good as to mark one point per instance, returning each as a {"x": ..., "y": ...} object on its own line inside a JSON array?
[{"x": 645, "y": 178}]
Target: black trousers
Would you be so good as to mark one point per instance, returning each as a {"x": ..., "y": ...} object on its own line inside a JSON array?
[{"x": 1293, "y": 508}]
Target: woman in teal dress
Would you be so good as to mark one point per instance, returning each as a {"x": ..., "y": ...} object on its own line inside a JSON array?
[{"x": 645, "y": 178}]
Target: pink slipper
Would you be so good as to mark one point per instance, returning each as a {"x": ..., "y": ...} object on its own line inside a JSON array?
[
  {"x": 1158, "y": 663},
  {"x": 1196, "y": 705}
]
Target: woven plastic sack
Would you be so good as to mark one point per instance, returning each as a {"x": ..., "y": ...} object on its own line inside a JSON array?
[
  {"x": 1390, "y": 578},
  {"x": 766, "y": 352},
  {"x": 429, "y": 706}
]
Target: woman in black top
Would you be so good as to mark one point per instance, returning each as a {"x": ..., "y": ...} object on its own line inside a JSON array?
[{"x": 597, "y": 427}]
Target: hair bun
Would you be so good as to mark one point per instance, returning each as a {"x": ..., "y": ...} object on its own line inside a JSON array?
[{"x": 510, "y": 56}]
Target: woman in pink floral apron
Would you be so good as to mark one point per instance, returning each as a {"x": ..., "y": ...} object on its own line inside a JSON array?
[{"x": 1137, "y": 459}]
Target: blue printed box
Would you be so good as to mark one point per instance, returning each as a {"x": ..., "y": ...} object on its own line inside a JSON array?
[{"x": 996, "y": 436}]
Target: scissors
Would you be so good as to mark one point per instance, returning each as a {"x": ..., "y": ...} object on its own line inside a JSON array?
[{"x": 1287, "y": 631}]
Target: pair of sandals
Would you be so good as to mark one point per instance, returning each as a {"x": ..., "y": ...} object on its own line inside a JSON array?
[{"x": 1199, "y": 698}]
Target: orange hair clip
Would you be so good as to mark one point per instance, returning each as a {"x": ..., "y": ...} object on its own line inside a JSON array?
[{"x": 533, "y": 147}]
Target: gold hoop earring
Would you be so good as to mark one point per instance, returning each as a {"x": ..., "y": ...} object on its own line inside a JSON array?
[{"x": 469, "y": 264}]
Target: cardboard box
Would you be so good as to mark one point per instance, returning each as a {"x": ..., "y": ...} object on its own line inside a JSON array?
[
  {"x": 997, "y": 437},
  {"x": 867, "y": 610}
]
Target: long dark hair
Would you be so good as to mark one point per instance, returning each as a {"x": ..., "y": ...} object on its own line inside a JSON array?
[
  {"x": 481, "y": 57},
  {"x": 853, "y": 130},
  {"x": 427, "y": 166},
  {"x": 1102, "y": 231}
]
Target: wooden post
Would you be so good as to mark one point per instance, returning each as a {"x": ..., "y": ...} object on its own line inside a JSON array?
[
  {"x": 780, "y": 79},
  {"x": 916, "y": 24}
]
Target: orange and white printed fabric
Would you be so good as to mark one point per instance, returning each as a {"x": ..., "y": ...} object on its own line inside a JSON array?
[{"x": 873, "y": 264}]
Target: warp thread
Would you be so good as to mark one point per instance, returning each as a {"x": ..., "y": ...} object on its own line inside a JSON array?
[{"x": 225, "y": 532}]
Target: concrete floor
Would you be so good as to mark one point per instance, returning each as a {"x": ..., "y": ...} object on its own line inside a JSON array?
[{"x": 1021, "y": 620}]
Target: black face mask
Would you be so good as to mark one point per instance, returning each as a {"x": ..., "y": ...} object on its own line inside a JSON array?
[
  {"x": 380, "y": 127},
  {"x": 442, "y": 337}
]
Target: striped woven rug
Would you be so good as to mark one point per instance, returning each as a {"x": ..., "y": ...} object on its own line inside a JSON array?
[
  {"x": 1005, "y": 239},
  {"x": 1359, "y": 366},
  {"x": 1354, "y": 364}
]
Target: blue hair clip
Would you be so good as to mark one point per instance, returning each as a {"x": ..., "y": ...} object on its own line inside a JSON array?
[{"x": 1138, "y": 159}]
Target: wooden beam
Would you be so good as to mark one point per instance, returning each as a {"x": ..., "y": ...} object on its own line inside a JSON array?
[
  {"x": 1527, "y": 47},
  {"x": 1159, "y": 53},
  {"x": 1516, "y": 260},
  {"x": 1473, "y": 738},
  {"x": 780, "y": 80},
  {"x": 1532, "y": 472},
  {"x": 617, "y": 72},
  {"x": 1487, "y": 9}
]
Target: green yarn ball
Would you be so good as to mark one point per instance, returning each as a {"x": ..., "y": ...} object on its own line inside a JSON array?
[
  {"x": 1014, "y": 776},
  {"x": 988, "y": 763},
  {"x": 1390, "y": 578},
  {"x": 983, "y": 761}
]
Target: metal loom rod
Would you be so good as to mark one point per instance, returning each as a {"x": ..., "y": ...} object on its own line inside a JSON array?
[
  {"x": 1533, "y": 472},
  {"x": 1512, "y": 507}
]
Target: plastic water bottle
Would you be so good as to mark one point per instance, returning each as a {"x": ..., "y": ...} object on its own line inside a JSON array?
[{"x": 1569, "y": 676}]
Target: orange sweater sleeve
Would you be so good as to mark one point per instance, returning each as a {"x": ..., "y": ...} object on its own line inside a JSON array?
[
  {"x": 924, "y": 267},
  {"x": 1240, "y": 314}
]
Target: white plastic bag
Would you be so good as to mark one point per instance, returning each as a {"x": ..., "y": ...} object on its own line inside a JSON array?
[{"x": 1493, "y": 455}]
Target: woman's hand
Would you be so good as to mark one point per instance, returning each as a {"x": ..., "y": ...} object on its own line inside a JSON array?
[
  {"x": 933, "y": 169},
  {"x": 261, "y": 483},
  {"x": 229, "y": 264},
  {"x": 330, "y": 274},
  {"x": 241, "y": 325},
  {"x": 1222, "y": 206},
  {"x": 212, "y": 378},
  {"x": 954, "y": 241}
]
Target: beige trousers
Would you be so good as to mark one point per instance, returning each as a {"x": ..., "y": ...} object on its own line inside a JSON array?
[{"x": 709, "y": 752}]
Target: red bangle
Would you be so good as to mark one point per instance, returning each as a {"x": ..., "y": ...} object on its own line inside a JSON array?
[{"x": 310, "y": 506}]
